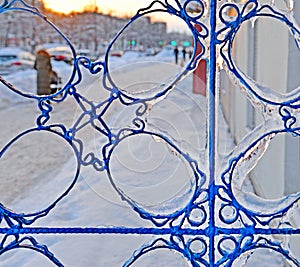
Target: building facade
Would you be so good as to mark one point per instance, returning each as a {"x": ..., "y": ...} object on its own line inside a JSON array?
[{"x": 265, "y": 51}]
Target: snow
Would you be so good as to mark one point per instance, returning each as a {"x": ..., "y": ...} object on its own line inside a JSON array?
[
  {"x": 38, "y": 168},
  {"x": 25, "y": 81},
  {"x": 166, "y": 55}
]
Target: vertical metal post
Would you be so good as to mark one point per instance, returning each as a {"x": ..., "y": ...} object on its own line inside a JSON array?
[{"x": 212, "y": 129}]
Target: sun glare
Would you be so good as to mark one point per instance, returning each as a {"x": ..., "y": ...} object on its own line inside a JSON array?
[
  {"x": 119, "y": 7},
  {"x": 65, "y": 6},
  {"x": 112, "y": 7}
]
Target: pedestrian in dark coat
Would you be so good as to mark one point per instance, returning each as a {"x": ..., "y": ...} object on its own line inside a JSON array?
[
  {"x": 176, "y": 51},
  {"x": 183, "y": 54},
  {"x": 44, "y": 68}
]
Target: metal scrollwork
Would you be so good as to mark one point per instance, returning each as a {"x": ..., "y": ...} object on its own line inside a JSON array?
[{"x": 218, "y": 223}]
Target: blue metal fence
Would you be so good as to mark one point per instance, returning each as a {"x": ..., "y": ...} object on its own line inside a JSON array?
[{"x": 226, "y": 228}]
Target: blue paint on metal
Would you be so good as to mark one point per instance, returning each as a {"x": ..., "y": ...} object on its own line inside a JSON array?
[
  {"x": 212, "y": 130},
  {"x": 246, "y": 230}
]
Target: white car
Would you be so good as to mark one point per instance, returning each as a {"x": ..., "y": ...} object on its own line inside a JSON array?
[
  {"x": 61, "y": 53},
  {"x": 14, "y": 58}
]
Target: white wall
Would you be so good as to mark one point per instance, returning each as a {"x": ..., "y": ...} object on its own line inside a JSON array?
[
  {"x": 266, "y": 61},
  {"x": 267, "y": 54},
  {"x": 272, "y": 50}
]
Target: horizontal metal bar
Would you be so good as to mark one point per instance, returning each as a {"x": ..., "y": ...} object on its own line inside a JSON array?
[{"x": 150, "y": 231}]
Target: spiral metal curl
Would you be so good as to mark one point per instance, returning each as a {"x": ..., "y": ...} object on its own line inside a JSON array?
[{"x": 213, "y": 228}]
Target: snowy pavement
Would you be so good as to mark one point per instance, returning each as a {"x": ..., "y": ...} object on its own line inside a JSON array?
[{"x": 40, "y": 166}]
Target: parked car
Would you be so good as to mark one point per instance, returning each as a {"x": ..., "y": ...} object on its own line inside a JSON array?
[
  {"x": 84, "y": 52},
  {"x": 116, "y": 53},
  {"x": 151, "y": 52},
  {"x": 61, "y": 53},
  {"x": 14, "y": 58}
]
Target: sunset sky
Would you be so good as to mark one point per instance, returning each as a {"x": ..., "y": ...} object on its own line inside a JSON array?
[
  {"x": 119, "y": 7},
  {"x": 114, "y": 7}
]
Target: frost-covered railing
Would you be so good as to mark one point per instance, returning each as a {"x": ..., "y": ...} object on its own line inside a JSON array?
[{"x": 218, "y": 224}]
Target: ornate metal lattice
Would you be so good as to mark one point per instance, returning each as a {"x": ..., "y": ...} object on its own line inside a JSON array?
[{"x": 219, "y": 223}]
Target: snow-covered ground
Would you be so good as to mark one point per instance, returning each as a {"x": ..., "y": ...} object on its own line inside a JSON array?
[{"x": 40, "y": 166}]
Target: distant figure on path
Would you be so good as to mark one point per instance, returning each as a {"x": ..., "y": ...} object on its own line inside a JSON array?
[
  {"x": 44, "y": 69},
  {"x": 183, "y": 54},
  {"x": 176, "y": 51},
  {"x": 191, "y": 51}
]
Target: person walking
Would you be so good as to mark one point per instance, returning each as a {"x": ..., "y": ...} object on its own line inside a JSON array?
[
  {"x": 176, "y": 51},
  {"x": 44, "y": 69},
  {"x": 183, "y": 54}
]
